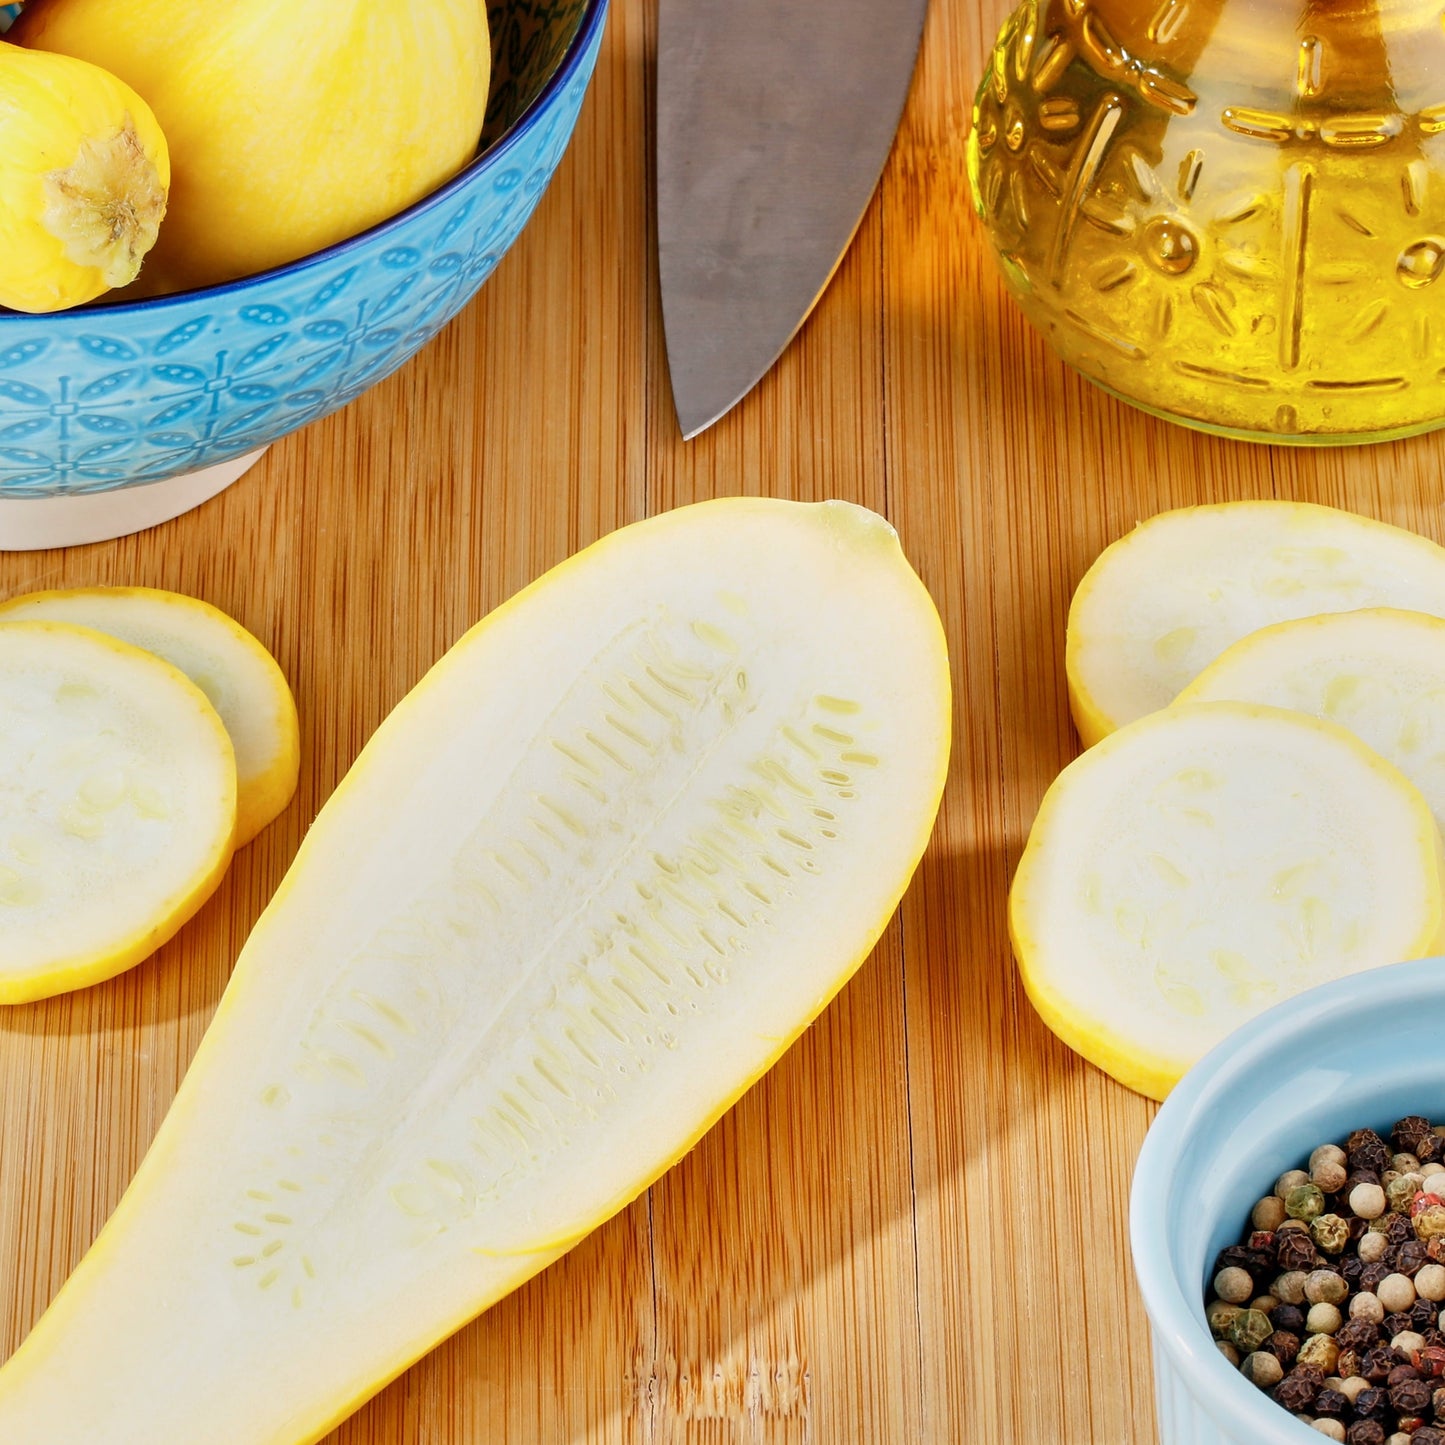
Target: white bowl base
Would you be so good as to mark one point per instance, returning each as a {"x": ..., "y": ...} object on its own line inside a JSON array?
[{"x": 28, "y": 524}]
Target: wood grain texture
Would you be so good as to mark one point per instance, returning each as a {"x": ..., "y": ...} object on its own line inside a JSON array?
[{"x": 913, "y": 1230}]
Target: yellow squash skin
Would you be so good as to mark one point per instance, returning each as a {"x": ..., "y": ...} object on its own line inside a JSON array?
[
  {"x": 588, "y": 881},
  {"x": 84, "y": 171},
  {"x": 293, "y": 124}
]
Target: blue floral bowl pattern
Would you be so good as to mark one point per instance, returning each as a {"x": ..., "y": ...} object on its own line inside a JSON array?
[{"x": 113, "y": 396}]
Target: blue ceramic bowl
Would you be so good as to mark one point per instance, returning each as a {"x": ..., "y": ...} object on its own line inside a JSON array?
[
  {"x": 108, "y": 396},
  {"x": 1361, "y": 1051}
]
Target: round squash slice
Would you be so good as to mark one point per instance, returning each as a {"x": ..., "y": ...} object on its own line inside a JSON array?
[
  {"x": 1205, "y": 862},
  {"x": 239, "y": 677},
  {"x": 1379, "y": 672},
  {"x": 117, "y": 806},
  {"x": 1163, "y": 602}
]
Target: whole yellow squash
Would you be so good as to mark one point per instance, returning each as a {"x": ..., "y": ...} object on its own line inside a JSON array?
[
  {"x": 83, "y": 177},
  {"x": 292, "y": 124}
]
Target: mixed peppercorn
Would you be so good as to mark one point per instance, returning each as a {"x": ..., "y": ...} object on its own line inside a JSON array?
[{"x": 1332, "y": 1303}]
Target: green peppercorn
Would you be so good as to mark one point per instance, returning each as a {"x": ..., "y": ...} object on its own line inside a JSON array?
[
  {"x": 1330, "y": 1233},
  {"x": 1249, "y": 1330},
  {"x": 1305, "y": 1201},
  {"x": 1430, "y": 1222},
  {"x": 1401, "y": 1192},
  {"x": 1320, "y": 1351},
  {"x": 1219, "y": 1316}
]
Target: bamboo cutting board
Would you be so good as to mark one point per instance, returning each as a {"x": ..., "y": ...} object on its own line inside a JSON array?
[{"x": 913, "y": 1230}]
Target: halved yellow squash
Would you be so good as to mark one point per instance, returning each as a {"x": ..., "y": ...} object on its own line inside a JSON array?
[{"x": 585, "y": 884}]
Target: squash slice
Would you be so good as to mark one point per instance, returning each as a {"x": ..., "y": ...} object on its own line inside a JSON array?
[
  {"x": 117, "y": 806},
  {"x": 240, "y": 678},
  {"x": 1163, "y": 602},
  {"x": 1379, "y": 672},
  {"x": 582, "y": 887},
  {"x": 1205, "y": 862}
]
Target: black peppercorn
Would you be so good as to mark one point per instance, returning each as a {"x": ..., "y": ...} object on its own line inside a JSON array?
[
  {"x": 1408, "y": 1132},
  {"x": 1357, "y": 1334},
  {"x": 1437, "y": 1402},
  {"x": 1352, "y": 1266},
  {"x": 1331, "y": 1405},
  {"x": 1433, "y": 1336},
  {"x": 1398, "y": 1229},
  {"x": 1364, "y": 1149},
  {"x": 1283, "y": 1345},
  {"x": 1401, "y": 1372},
  {"x": 1288, "y": 1317},
  {"x": 1360, "y": 1176},
  {"x": 1365, "y": 1432},
  {"x": 1371, "y": 1276},
  {"x": 1255, "y": 1262},
  {"x": 1411, "y": 1397},
  {"x": 1294, "y": 1249},
  {"x": 1372, "y": 1404},
  {"x": 1297, "y": 1391},
  {"x": 1397, "y": 1323},
  {"x": 1424, "y": 1313},
  {"x": 1411, "y": 1258},
  {"x": 1428, "y": 1150},
  {"x": 1428, "y": 1435},
  {"x": 1377, "y": 1364}
]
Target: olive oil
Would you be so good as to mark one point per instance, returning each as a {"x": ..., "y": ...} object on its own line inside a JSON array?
[{"x": 1228, "y": 212}]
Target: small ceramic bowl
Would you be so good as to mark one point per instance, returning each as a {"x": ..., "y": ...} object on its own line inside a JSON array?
[
  {"x": 1362, "y": 1051},
  {"x": 170, "y": 398}
]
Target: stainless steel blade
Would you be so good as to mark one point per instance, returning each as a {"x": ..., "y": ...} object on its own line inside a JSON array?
[{"x": 774, "y": 119}]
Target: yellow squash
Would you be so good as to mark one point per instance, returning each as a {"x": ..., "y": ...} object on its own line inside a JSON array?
[
  {"x": 84, "y": 171},
  {"x": 292, "y": 123},
  {"x": 583, "y": 886}
]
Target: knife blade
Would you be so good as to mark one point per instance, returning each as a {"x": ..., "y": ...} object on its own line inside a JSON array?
[{"x": 774, "y": 120}]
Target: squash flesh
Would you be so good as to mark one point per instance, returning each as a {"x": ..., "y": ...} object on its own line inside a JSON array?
[{"x": 584, "y": 886}]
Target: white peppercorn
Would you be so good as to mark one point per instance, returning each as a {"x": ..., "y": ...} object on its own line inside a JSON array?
[
  {"x": 1429, "y": 1170},
  {"x": 1434, "y": 1181},
  {"x": 1330, "y": 1152},
  {"x": 1405, "y": 1162},
  {"x": 1262, "y": 1369},
  {"x": 1367, "y": 1201},
  {"x": 1266, "y": 1303},
  {"x": 1372, "y": 1247},
  {"x": 1350, "y": 1388},
  {"x": 1323, "y": 1319},
  {"x": 1396, "y": 1293},
  {"x": 1430, "y": 1282},
  {"x": 1333, "y": 1429},
  {"x": 1289, "y": 1288},
  {"x": 1228, "y": 1351},
  {"x": 1324, "y": 1286},
  {"x": 1366, "y": 1306},
  {"x": 1234, "y": 1286},
  {"x": 1406, "y": 1343},
  {"x": 1328, "y": 1176},
  {"x": 1269, "y": 1213},
  {"x": 1398, "y": 1438},
  {"x": 1290, "y": 1179}
]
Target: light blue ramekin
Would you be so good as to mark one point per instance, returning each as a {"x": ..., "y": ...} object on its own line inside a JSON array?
[{"x": 1362, "y": 1051}]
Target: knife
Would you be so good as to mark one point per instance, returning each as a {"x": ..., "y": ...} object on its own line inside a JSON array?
[{"x": 774, "y": 119}]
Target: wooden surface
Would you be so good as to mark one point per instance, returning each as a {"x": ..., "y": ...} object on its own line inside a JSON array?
[{"x": 914, "y": 1228}]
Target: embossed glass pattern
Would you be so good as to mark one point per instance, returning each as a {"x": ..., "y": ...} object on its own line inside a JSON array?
[
  {"x": 1228, "y": 212},
  {"x": 110, "y": 396}
]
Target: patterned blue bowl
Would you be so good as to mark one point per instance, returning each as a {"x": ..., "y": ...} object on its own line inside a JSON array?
[{"x": 112, "y": 396}]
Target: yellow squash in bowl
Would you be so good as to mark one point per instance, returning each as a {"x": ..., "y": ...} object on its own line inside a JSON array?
[
  {"x": 292, "y": 124},
  {"x": 83, "y": 177}
]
